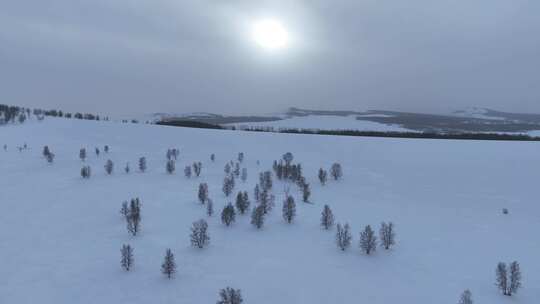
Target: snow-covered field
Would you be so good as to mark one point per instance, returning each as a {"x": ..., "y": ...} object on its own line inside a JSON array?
[
  {"x": 60, "y": 235},
  {"x": 326, "y": 122}
]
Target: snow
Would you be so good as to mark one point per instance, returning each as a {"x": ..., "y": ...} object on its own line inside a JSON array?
[
  {"x": 61, "y": 235},
  {"x": 475, "y": 112},
  {"x": 325, "y": 122}
]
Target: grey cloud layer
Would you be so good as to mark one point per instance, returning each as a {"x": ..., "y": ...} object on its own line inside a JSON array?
[{"x": 130, "y": 56}]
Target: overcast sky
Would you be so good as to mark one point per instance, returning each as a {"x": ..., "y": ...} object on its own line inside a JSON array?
[{"x": 143, "y": 56}]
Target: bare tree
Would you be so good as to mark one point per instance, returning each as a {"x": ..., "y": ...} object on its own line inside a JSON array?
[
  {"x": 134, "y": 217},
  {"x": 343, "y": 236},
  {"x": 336, "y": 171},
  {"x": 323, "y": 176},
  {"x": 236, "y": 170},
  {"x": 244, "y": 175},
  {"x": 228, "y": 215},
  {"x": 241, "y": 156},
  {"x": 203, "y": 192},
  {"x": 142, "y": 164},
  {"x": 86, "y": 172},
  {"x": 213, "y": 157},
  {"x": 387, "y": 235},
  {"x": 50, "y": 157},
  {"x": 257, "y": 193},
  {"x": 502, "y": 278},
  {"x": 127, "y": 257},
  {"x": 306, "y": 192},
  {"x": 170, "y": 166},
  {"x": 515, "y": 278},
  {"x": 466, "y": 297},
  {"x": 289, "y": 209},
  {"x": 257, "y": 217},
  {"x": 82, "y": 154},
  {"x": 209, "y": 207},
  {"x": 327, "y": 217},
  {"x": 228, "y": 185},
  {"x": 242, "y": 202},
  {"x": 199, "y": 234},
  {"x": 230, "y": 296},
  {"x": 46, "y": 151},
  {"x": 168, "y": 267},
  {"x": 368, "y": 240},
  {"x": 266, "y": 200},
  {"x": 109, "y": 167},
  {"x": 187, "y": 171},
  {"x": 197, "y": 168}
]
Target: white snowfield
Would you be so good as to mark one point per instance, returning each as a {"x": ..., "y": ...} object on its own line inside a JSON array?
[
  {"x": 60, "y": 235},
  {"x": 326, "y": 122}
]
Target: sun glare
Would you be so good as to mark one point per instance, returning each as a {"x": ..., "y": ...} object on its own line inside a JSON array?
[{"x": 270, "y": 34}]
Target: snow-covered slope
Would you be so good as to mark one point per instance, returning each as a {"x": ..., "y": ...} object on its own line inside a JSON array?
[{"x": 61, "y": 235}]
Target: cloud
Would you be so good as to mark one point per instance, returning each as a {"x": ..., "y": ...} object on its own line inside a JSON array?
[{"x": 131, "y": 56}]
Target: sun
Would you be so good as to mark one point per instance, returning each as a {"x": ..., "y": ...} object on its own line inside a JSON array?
[{"x": 270, "y": 34}]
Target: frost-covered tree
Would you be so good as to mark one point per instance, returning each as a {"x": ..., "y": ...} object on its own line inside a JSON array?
[
  {"x": 82, "y": 154},
  {"x": 242, "y": 202},
  {"x": 213, "y": 157},
  {"x": 168, "y": 267},
  {"x": 336, "y": 171},
  {"x": 228, "y": 185},
  {"x": 515, "y": 278},
  {"x": 86, "y": 172},
  {"x": 170, "y": 166},
  {"x": 187, "y": 171},
  {"x": 289, "y": 209},
  {"x": 228, "y": 215},
  {"x": 97, "y": 151},
  {"x": 227, "y": 168},
  {"x": 244, "y": 175},
  {"x": 203, "y": 192},
  {"x": 368, "y": 240},
  {"x": 257, "y": 217},
  {"x": 197, "y": 168},
  {"x": 327, "y": 217},
  {"x": 230, "y": 296},
  {"x": 127, "y": 257},
  {"x": 323, "y": 176},
  {"x": 209, "y": 207},
  {"x": 502, "y": 278},
  {"x": 387, "y": 235},
  {"x": 466, "y": 297},
  {"x": 343, "y": 236},
  {"x": 199, "y": 234},
  {"x": 241, "y": 157},
  {"x": 126, "y": 168},
  {"x": 106, "y": 149},
  {"x": 142, "y": 164},
  {"x": 109, "y": 166}
]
